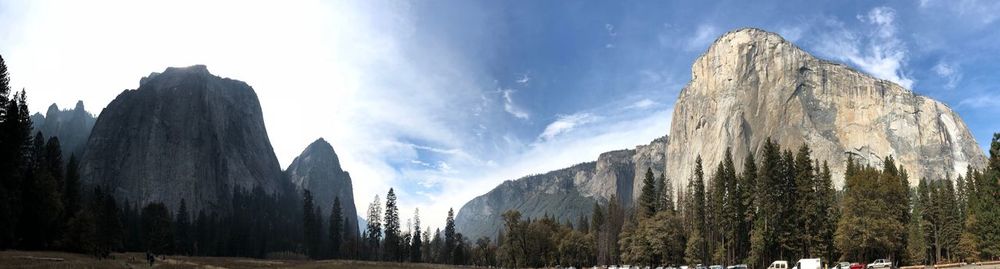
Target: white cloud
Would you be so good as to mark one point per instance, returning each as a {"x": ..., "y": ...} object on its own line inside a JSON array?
[
  {"x": 510, "y": 107},
  {"x": 565, "y": 123},
  {"x": 703, "y": 36},
  {"x": 643, "y": 104},
  {"x": 949, "y": 72},
  {"x": 983, "y": 101},
  {"x": 877, "y": 51}
]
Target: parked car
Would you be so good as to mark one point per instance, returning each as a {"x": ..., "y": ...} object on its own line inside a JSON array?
[
  {"x": 700, "y": 266},
  {"x": 858, "y": 265},
  {"x": 880, "y": 263},
  {"x": 841, "y": 265},
  {"x": 738, "y": 266},
  {"x": 808, "y": 264},
  {"x": 715, "y": 267},
  {"x": 778, "y": 265}
]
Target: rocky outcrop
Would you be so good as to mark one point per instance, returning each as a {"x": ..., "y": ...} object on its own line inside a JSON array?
[
  {"x": 752, "y": 85},
  {"x": 749, "y": 86},
  {"x": 565, "y": 194},
  {"x": 183, "y": 134},
  {"x": 318, "y": 170},
  {"x": 72, "y": 127}
]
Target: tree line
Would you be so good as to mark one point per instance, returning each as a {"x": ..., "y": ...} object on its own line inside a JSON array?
[{"x": 781, "y": 205}]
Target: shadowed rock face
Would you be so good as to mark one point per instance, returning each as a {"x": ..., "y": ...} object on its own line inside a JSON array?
[
  {"x": 752, "y": 84},
  {"x": 565, "y": 194},
  {"x": 318, "y": 170},
  {"x": 183, "y": 134},
  {"x": 72, "y": 127}
]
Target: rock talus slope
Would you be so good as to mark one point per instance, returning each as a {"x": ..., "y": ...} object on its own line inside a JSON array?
[
  {"x": 183, "y": 134},
  {"x": 752, "y": 84}
]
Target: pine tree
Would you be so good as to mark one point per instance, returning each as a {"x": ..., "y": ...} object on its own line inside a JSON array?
[
  {"x": 826, "y": 214},
  {"x": 696, "y": 251},
  {"x": 156, "y": 229},
  {"x": 768, "y": 201},
  {"x": 647, "y": 198},
  {"x": 392, "y": 236},
  {"x": 8, "y": 163},
  {"x": 805, "y": 211},
  {"x": 183, "y": 229},
  {"x": 110, "y": 229},
  {"x": 310, "y": 224},
  {"x": 747, "y": 193},
  {"x": 449, "y": 236},
  {"x": 336, "y": 228},
  {"x": 417, "y": 241},
  {"x": 374, "y": 232}
]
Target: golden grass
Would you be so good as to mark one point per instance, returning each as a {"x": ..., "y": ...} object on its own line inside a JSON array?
[{"x": 47, "y": 259}]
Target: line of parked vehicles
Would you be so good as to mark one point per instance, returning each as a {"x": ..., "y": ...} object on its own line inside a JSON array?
[{"x": 813, "y": 263}]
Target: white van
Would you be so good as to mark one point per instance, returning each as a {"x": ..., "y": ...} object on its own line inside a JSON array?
[
  {"x": 778, "y": 265},
  {"x": 808, "y": 264}
]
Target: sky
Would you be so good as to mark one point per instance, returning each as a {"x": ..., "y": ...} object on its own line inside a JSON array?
[{"x": 444, "y": 100}]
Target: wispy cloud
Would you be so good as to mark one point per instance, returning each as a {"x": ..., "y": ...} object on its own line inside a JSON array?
[
  {"x": 982, "y": 101},
  {"x": 877, "y": 51},
  {"x": 642, "y": 104},
  {"x": 565, "y": 123},
  {"x": 949, "y": 72},
  {"x": 703, "y": 36},
  {"x": 511, "y": 107}
]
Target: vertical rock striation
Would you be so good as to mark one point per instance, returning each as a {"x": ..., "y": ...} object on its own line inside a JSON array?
[
  {"x": 183, "y": 134},
  {"x": 318, "y": 170},
  {"x": 751, "y": 85}
]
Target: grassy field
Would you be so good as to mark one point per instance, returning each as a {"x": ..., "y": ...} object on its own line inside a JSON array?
[{"x": 35, "y": 259}]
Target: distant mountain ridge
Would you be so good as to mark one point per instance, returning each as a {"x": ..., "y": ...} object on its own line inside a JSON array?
[
  {"x": 72, "y": 127},
  {"x": 565, "y": 194}
]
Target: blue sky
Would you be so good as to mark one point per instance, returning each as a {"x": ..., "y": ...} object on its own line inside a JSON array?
[{"x": 446, "y": 99}]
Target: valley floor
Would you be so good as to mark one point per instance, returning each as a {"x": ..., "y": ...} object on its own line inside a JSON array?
[{"x": 48, "y": 259}]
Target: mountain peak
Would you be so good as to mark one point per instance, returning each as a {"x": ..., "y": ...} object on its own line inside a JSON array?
[{"x": 198, "y": 70}]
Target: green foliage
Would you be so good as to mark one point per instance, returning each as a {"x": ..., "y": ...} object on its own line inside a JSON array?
[
  {"x": 337, "y": 225},
  {"x": 648, "y": 197},
  {"x": 657, "y": 241},
  {"x": 392, "y": 237}
]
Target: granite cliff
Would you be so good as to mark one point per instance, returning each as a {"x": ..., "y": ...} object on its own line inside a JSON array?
[
  {"x": 318, "y": 170},
  {"x": 567, "y": 193},
  {"x": 183, "y": 134},
  {"x": 752, "y": 85}
]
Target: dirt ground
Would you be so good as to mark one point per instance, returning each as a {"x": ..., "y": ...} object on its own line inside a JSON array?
[{"x": 33, "y": 259}]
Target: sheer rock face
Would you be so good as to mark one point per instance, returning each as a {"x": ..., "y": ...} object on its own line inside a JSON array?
[
  {"x": 72, "y": 127},
  {"x": 565, "y": 194},
  {"x": 183, "y": 134},
  {"x": 752, "y": 84},
  {"x": 318, "y": 170}
]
